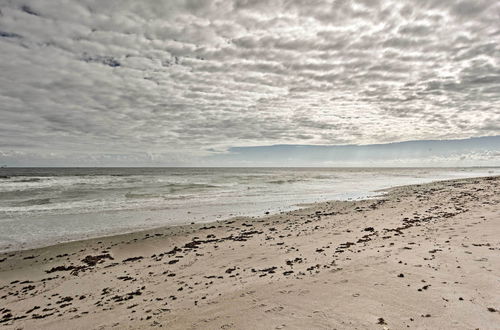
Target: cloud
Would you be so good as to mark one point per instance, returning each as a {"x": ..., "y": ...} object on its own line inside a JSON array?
[
  {"x": 484, "y": 151},
  {"x": 183, "y": 77}
]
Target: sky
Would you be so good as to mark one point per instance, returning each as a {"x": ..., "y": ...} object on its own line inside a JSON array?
[{"x": 249, "y": 83}]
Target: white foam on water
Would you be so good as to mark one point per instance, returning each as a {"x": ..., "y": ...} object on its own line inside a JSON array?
[{"x": 44, "y": 206}]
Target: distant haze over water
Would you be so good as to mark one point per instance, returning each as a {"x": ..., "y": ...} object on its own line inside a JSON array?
[{"x": 41, "y": 206}]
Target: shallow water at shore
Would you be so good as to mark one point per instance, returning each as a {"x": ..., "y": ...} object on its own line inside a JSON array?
[{"x": 42, "y": 206}]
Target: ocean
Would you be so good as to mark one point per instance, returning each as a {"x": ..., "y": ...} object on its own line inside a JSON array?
[{"x": 44, "y": 206}]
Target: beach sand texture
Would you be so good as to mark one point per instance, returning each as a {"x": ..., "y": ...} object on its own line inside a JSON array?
[{"x": 420, "y": 257}]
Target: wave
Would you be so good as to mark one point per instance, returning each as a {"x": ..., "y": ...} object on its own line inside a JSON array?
[
  {"x": 285, "y": 181},
  {"x": 34, "y": 201},
  {"x": 139, "y": 195},
  {"x": 171, "y": 188},
  {"x": 27, "y": 180},
  {"x": 174, "y": 187}
]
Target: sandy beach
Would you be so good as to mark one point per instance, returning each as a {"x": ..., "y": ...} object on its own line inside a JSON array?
[{"x": 423, "y": 256}]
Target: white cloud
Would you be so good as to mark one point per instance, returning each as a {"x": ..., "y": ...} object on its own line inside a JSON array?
[{"x": 182, "y": 77}]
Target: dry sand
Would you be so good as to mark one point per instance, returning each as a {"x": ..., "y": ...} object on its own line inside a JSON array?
[{"x": 424, "y": 256}]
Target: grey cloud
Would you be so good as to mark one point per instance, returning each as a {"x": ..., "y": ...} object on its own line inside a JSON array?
[
  {"x": 415, "y": 29},
  {"x": 470, "y": 7},
  {"x": 29, "y": 11},
  {"x": 4, "y": 34},
  {"x": 106, "y": 60},
  {"x": 187, "y": 76}
]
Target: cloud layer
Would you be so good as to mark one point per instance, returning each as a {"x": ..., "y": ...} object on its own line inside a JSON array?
[
  {"x": 484, "y": 151},
  {"x": 179, "y": 80}
]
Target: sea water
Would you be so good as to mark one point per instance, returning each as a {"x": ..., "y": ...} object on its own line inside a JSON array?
[{"x": 43, "y": 206}]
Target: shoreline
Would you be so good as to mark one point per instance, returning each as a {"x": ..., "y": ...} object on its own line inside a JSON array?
[
  {"x": 378, "y": 193},
  {"x": 332, "y": 264}
]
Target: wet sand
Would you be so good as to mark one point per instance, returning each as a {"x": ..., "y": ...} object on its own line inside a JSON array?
[{"x": 422, "y": 256}]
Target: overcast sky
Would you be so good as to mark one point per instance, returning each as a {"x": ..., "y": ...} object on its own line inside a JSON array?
[{"x": 195, "y": 82}]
